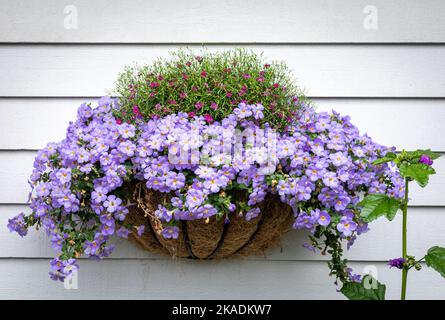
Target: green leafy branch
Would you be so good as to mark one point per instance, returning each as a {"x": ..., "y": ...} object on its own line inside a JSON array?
[{"x": 412, "y": 166}]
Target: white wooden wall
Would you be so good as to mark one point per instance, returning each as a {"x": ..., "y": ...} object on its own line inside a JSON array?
[{"x": 390, "y": 80}]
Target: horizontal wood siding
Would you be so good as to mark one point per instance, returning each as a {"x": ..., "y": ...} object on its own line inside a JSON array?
[{"x": 228, "y": 21}]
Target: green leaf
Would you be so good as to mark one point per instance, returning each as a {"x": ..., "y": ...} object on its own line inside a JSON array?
[
  {"x": 376, "y": 205},
  {"x": 435, "y": 258},
  {"x": 368, "y": 289},
  {"x": 417, "y": 171},
  {"x": 418, "y": 153},
  {"x": 390, "y": 156}
]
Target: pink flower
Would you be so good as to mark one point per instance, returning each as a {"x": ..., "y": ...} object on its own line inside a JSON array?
[
  {"x": 154, "y": 84},
  {"x": 198, "y": 105},
  {"x": 208, "y": 118},
  {"x": 191, "y": 114},
  {"x": 136, "y": 111},
  {"x": 203, "y": 73},
  {"x": 119, "y": 121},
  {"x": 246, "y": 76},
  {"x": 183, "y": 95},
  {"x": 213, "y": 105}
]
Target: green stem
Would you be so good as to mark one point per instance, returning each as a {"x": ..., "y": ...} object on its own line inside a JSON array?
[{"x": 404, "y": 244}]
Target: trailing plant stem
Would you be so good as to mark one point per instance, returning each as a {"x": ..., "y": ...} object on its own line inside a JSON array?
[{"x": 404, "y": 242}]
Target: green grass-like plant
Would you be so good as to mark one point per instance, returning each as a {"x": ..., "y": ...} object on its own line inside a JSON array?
[{"x": 209, "y": 84}]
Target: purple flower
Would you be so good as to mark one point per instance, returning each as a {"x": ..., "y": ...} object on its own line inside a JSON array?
[
  {"x": 194, "y": 198},
  {"x": 257, "y": 111},
  {"x": 106, "y": 251},
  {"x": 317, "y": 147},
  {"x": 188, "y": 215},
  {"x": 63, "y": 175},
  {"x": 121, "y": 214},
  {"x": 243, "y": 111},
  {"x": 127, "y": 148},
  {"x": 91, "y": 248},
  {"x": 56, "y": 276},
  {"x": 127, "y": 130},
  {"x": 69, "y": 266},
  {"x": 283, "y": 188},
  {"x": 346, "y": 227},
  {"x": 314, "y": 173},
  {"x": 338, "y": 159},
  {"x": 205, "y": 172},
  {"x": 330, "y": 180},
  {"x": 341, "y": 203},
  {"x": 140, "y": 230},
  {"x": 207, "y": 211},
  {"x": 396, "y": 263},
  {"x": 83, "y": 156},
  {"x": 426, "y": 160},
  {"x": 309, "y": 247},
  {"x": 69, "y": 202},
  {"x": 252, "y": 214},
  {"x": 324, "y": 218},
  {"x": 163, "y": 214},
  {"x": 353, "y": 277},
  {"x": 359, "y": 152},
  {"x": 212, "y": 184},
  {"x": 57, "y": 241},
  {"x": 323, "y": 123},
  {"x": 305, "y": 220},
  {"x": 175, "y": 180},
  {"x": 112, "y": 203},
  {"x": 56, "y": 264},
  {"x": 18, "y": 225},
  {"x": 258, "y": 195},
  {"x": 84, "y": 111},
  {"x": 43, "y": 190},
  {"x": 123, "y": 232},
  {"x": 170, "y": 232},
  {"x": 107, "y": 220},
  {"x": 98, "y": 195},
  {"x": 107, "y": 230}
]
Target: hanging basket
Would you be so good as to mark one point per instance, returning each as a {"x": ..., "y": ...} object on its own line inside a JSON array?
[{"x": 210, "y": 238}]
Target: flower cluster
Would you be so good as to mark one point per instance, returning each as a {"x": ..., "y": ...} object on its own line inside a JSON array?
[
  {"x": 72, "y": 184},
  {"x": 208, "y": 84},
  {"x": 320, "y": 166},
  {"x": 396, "y": 263}
]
